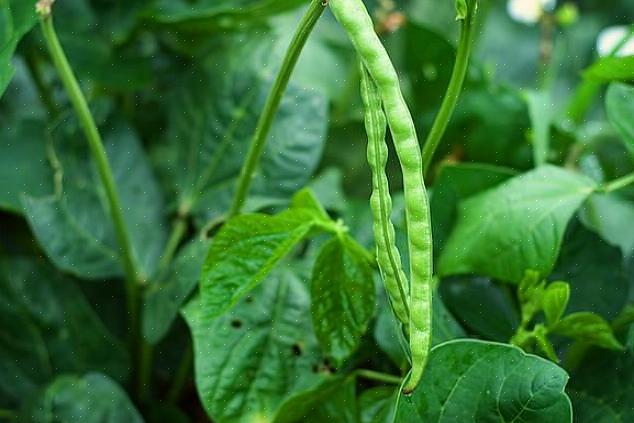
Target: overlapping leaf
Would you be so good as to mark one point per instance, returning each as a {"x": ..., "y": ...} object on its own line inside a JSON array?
[
  {"x": 74, "y": 227},
  {"x": 342, "y": 296},
  {"x": 516, "y": 226},
  {"x": 250, "y": 360},
  {"x": 471, "y": 381},
  {"x": 212, "y": 121},
  {"x": 24, "y": 163},
  {"x": 48, "y": 329},
  {"x": 93, "y": 398},
  {"x": 16, "y": 19},
  {"x": 213, "y": 15},
  {"x": 163, "y": 299}
]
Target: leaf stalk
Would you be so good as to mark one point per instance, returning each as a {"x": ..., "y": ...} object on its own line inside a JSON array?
[
  {"x": 272, "y": 104},
  {"x": 133, "y": 278},
  {"x": 467, "y": 31}
]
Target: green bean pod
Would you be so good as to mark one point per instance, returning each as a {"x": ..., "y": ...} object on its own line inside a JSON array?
[
  {"x": 387, "y": 254},
  {"x": 356, "y": 21}
]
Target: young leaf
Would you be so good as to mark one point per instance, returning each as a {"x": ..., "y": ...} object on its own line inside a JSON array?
[
  {"x": 530, "y": 294},
  {"x": 541, "y": 337},
  {"x": 93, "y": 398},
  {"x": 469, "y": 381},
  {"x": 516, "y": 226},
  {"x": 589, "y": 328},
  {"x": 262, "y": 353},
  {"x": 245, "y": 251},
  {"x": 555, "y": 301},
  {"x": 342, "y": 296},
  {"x": 461, "y": 10},
  {"x": 163, "y": 299},
  {"x": 619, "y": 104}
]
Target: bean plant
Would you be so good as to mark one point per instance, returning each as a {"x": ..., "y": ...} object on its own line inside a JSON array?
[{"x": 226, "y": 211}]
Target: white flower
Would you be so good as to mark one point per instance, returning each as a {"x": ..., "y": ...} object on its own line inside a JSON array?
[
  {"x": 529, "y": 11},
  {"x": 611, "y": 37}
]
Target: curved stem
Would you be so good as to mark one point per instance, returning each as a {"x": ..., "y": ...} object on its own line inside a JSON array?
[
  {"x": 133, "y": 278},
  {"x": 454, "y": 88},
  {"x": 618, "y": 183},
  {"x": 179, "y": 228},
  {"x": 272, "y": 104},
  {"x": 378, "y": 376}
]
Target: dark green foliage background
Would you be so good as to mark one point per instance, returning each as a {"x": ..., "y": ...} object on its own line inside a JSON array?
[{"x": 176, "y": 88}]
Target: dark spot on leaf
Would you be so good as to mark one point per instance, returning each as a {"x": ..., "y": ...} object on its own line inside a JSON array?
[
  {"x": 297, "y": 349},
  {"x": 248, "y": 300},
  {"x": 235, "y": 323}
]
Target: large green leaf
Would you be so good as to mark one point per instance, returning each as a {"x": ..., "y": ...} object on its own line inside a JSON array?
[
  {"x": 48, "y": 328},
  {"x": 245, "y": 251},
  {"x": 599, "y": 281},
  {"x": 209, "y": 135},
  {"x": 619, "y": 103},
  {"x": 16, "y": 19},
  {"x": 74, "y": 228},
  {"x": 481, "y": 306},
  {"x": 377, "y": 405},
  {"x": 493, "y": 121},
  {"x": 213, "y": 15},
  {"x": 604, "y": 213},
  {"x": 474, "y": 381},
  {"x": 601, "y": 389},
  {"x": 24, "y": 164},
  {"x": 342, "y": 296},
  {"x": 163, "y": 299},
  {"x": 93, "y": 398},
  {"x": 516, "y": 226},
  {"x": 455, "y": 183},
  {"x": 338, "y": 407},
  {"x": 248, "y": 361}
]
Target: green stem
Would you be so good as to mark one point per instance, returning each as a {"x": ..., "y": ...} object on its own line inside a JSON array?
[
  {"x": 454, "y": 88},
  {"x": 618, "y": 183},
  {"x": 179, "y": 228},
  {"x": 182, "y": 374},
  {"x": 144, "y": 370},
  {"x": 378, "y": 376},
  {"x": 272, "y": 104},
  {"x": 133, "y": 278}
]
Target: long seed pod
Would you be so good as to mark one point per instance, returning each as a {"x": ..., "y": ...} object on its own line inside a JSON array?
[
  {"x": 388, "y": 256},
  {"x": 356, "y": 21}
]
